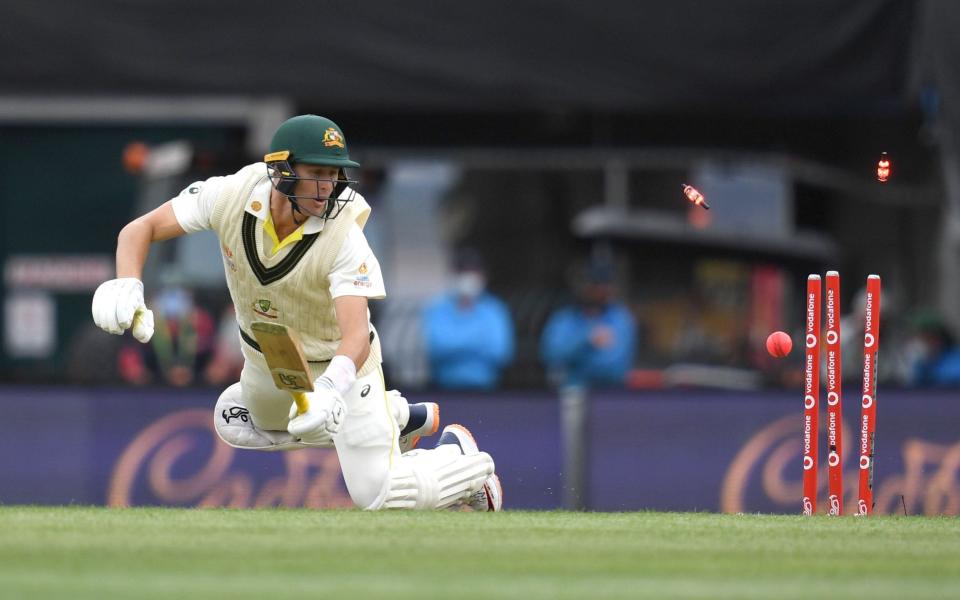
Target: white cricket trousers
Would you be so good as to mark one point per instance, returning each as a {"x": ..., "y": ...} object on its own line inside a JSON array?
[{"x": 367, "y": 443}]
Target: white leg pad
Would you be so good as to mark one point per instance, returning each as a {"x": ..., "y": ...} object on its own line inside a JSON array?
[
  {"x": 434, "y": 479},
  {"x": 399, "y": 407},
  {"x": 235, "y": 427}
]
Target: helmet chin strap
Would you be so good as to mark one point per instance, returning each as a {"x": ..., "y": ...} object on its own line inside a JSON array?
[{"x": 295, "y": 208}]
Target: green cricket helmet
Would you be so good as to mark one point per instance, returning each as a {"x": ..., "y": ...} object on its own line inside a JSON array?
[{"x": 311, "y": 140}]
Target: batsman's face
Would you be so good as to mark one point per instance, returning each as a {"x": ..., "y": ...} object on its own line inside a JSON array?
[{"x": 317, "y": 182}]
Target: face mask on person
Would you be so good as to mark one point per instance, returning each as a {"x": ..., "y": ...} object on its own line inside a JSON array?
[{"x": 469, "y": 284}]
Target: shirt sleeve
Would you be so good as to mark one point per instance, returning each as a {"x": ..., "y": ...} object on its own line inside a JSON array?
[
  {"x": 194, "y": 206},
  {"x": 356, "y": 271}
]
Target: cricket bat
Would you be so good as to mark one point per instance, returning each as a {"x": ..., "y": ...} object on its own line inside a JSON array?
[{"x": 283, "y": 351}]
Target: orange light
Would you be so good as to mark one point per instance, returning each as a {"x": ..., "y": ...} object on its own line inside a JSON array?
[
  {"x": 135, "y": 157},
  {"x": 884, "y": 168},
  {"x": 695, "y": 196}
]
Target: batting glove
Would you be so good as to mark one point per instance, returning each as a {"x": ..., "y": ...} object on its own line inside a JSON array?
[
  {"x": 324, "y": 416},
  {"x": 118, "y": 305}
]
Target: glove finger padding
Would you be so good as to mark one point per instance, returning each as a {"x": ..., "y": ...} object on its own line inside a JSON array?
[
  {"x": 104, "y": 308},
  {"x": 129, "y": 301},
  {"x": 309, "y": 426},
  {"x": 143, "y": 325},
  {"x": 323, "y": 418},
  {"x": 116, "y": 304}
]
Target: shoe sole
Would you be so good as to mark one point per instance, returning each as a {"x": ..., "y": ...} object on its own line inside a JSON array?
[
  {"x": 435, "y": 416},
  {"x": 493, "y": 491}
]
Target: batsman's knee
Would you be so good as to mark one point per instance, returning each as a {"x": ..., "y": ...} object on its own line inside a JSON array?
[{"x": 234, "y": 425}]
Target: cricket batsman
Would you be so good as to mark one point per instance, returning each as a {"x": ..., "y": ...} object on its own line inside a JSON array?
[{"x": 294, "y": 253}]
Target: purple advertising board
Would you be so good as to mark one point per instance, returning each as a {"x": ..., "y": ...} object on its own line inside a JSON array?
[{"x": 676, "y": 450}]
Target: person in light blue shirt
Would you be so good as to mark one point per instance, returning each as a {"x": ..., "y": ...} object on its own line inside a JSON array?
[
  {"x": 468, "y": 332},
  {"x": 591, "y": 343}
]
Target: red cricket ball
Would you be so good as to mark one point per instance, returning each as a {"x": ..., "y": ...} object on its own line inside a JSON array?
[{"x": 779, "y": 344}]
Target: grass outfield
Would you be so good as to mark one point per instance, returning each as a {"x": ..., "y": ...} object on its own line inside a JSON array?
[{"x": 82, "y": 552}]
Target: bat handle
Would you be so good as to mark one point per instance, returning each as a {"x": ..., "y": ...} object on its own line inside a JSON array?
[{"x": 302, "y": 404}]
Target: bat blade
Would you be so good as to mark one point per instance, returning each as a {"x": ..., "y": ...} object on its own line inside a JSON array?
[{"x": 288, "y": 366}]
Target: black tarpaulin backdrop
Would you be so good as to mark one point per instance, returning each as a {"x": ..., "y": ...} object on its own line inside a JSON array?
[{"x": 786, "y": 56}]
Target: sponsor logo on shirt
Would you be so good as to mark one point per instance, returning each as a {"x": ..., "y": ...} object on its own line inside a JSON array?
[
  {"x": 265, "y": 308},
  {"x": 362, "y": 279},
  {"x": 228, "y": 257}
]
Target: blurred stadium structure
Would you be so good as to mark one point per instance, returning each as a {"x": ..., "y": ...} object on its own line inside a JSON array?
[{"x": 539, "y": 133}]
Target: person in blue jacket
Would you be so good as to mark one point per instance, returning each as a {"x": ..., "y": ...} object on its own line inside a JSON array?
[
  {"x": 468, "y": 332},
  {"x": 591, "y": 343},
  {"x": 934, "y": 352}
]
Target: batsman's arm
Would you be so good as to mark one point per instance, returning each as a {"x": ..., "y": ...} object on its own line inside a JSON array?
[
  {"x": 354, "y": 347},
  {"x": 352, "y": 317},
  {"x": 135, "y": 238}
]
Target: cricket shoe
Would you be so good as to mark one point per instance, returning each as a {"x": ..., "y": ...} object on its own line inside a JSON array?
[
  {"x": 490, "y": 496},
  {"x": 424, "y": 421},
  {"x": 459, "y": 435}
]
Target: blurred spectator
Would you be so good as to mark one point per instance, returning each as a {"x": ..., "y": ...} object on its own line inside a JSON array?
[
  {"x": 591, "y": 343},
  {"x": 182, "y": 344},
  {"x": 227, "y": 362},
  {"x": 468, "y": 332},
  {"x": 893, "y": 364},
  {"x": 935, "y": 357},
  {"x": 92, "y": 356}
]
